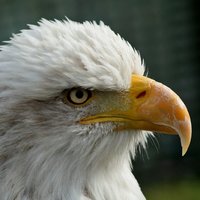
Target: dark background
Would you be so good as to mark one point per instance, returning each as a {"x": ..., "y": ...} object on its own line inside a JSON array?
[{"x": 167, "y": 34}]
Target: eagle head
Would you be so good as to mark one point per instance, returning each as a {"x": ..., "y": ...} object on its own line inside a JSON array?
[{"x": 75, "y": 106}]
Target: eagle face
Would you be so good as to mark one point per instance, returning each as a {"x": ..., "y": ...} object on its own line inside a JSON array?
[{"x": 74, "y": 107}]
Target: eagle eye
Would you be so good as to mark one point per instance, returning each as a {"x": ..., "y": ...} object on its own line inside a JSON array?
[{"x": 76, "y": 96}]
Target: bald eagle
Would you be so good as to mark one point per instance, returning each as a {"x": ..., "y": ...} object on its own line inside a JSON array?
[{"x": 75, "y": 106}]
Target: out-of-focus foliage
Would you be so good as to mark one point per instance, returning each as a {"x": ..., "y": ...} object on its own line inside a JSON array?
[
  {"x": 167, "y": 34},
  {"x": 186, "y": 190}
]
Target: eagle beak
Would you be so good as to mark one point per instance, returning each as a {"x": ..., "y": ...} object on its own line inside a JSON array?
[{"x": 150, "y": 105}]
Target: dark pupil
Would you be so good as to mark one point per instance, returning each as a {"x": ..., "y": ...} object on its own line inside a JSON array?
[{"x": 79, "y": 94}]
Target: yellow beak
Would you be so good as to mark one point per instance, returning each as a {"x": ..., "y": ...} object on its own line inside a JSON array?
[{"x": 149, "y": 105}]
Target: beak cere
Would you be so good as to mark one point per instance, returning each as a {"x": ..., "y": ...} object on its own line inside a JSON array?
[{"x": 152, "y": 106}]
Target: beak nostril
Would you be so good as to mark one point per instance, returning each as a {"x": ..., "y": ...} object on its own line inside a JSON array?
[{"x": 141, "y": 94}]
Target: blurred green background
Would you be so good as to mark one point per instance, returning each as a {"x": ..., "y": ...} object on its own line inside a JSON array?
[{"x": 167, "y": 34}]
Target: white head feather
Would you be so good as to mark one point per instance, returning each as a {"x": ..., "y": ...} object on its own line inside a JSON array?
[{"x": 44, "y": 154}]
